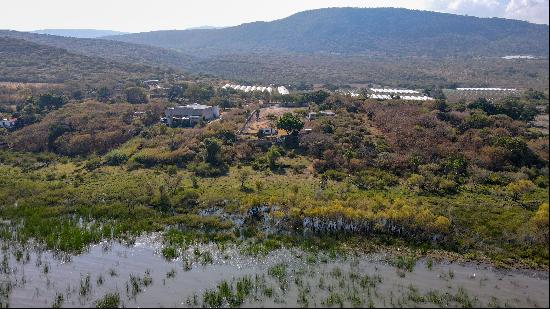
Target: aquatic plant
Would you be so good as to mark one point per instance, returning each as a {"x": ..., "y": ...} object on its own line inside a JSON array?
[{"x": 110, "y": 300}]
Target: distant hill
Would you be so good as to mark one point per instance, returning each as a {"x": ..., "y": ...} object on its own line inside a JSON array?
[
  {"x": 337, "y": 46},
  {"x": 80, "y": 33},
  {"x": 23, "y": 61},
  {"x": 108, "y": 49},
  {"x": 372, "y": 31}
]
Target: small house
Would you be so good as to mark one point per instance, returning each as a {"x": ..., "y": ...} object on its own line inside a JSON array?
[
  {"x": 327, "y": 113},
  {"x": 267, "y": 132},
  {"x": 315, "y": 115},
  {"x": 190, "y": 114}
]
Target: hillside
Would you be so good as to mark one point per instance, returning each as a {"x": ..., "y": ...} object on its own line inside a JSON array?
[
  {"x": 379, "y": 31},
  {"x": 80, "y": 33},
  {"x": 23, "y": 61},
  {"x": 117, "y": 51},
  {"x": 415, "y": 72},
  {"x": 393, "y": 47}
]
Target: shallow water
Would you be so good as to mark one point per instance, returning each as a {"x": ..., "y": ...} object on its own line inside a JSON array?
[{"x": 311, "y": 280}]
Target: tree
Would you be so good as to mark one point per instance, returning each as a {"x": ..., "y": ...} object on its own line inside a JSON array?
[
  {"x": 222, "y": 102},
  {"x": 176, "y": 92},
  {"x": 244, "y": 174},
  {"x": 198, "y": 92},
  {"x": 483, "y": 105},
  {"x": 273, "y": 156},
  {"x": 51, "y": 101},
  {"x": 259, "y": 185},
  {"x": 516, "y": 109},
  {"x": 213, "y": 148},
  {"x": 104, "y": 94},
  {"x": 136, "y": 95},
  {"x": 290, "y": 123}
]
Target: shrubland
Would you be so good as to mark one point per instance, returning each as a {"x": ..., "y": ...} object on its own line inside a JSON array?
[{"x": 427, "y": 175}]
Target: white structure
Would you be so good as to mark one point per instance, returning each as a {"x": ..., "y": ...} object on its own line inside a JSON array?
[
  {"x": 315, "y": 115},
  {"x": 416, "y": 98},
  {"x": 394, "y": 91},
  {"x": 268, "y": 131},
  {"x": 401, "y": 97},
  {"x": 152, "y": 84},
  {"x": 189, "y": 115},
  {"x": 380, "y": 96},
  {"x": 282, "y": 90},
  {"x": 486, "y": 89},
  {"x": 7, "y": 123},
  {"x": 511, "y": 57}
]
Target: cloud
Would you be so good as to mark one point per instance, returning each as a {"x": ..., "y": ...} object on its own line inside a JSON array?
[
  {"x": 480, "y": 8},
  {"x": 530, "y": 10}
]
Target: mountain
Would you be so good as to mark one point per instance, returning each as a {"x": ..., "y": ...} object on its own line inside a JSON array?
[
  {"x": 108, "y": 49},
  {"x": 80, "y": 33},
  {"x": 336, "y": 46},
  {"x": 23, "y": 61},
  {"x": 372, "y": 31}
]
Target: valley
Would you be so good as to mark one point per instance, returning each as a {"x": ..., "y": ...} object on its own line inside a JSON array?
[{"x": 338, "y": 157}]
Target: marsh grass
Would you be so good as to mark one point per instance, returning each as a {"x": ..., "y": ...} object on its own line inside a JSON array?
[
  {"x": 58, "y": 300},
  {"x": 405, "y": 262},
  {"x": 85, "y": 286},
  {"x": 110, "y": 300},
  {"x": 279, "y": 272},
  {"x": 171, "y": 274},
  {"x": 233, "y": 293},
  {"x": 135, "y": 284}
]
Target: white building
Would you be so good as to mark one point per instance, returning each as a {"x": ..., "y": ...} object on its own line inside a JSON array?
[
  {"x": 282, "y": 90},
  {"x": 486, "y": 89},
  {"x": 393, "y": 91},
  {"x": 191, "y": 114},
  {"x": 267, "y": 131},
  {"x": 7, "y": 123}
]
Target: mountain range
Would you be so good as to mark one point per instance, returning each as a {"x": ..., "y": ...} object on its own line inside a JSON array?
[
  {"x": 360, "y": 31},
  {"x": 80, "y": 33},
  {"x": 394, "y": 47}
]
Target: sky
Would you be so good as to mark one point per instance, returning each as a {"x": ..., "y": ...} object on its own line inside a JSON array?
[{"x": 141, "y": 15}]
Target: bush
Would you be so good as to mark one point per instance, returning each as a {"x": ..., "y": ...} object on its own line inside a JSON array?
[
  {"x": 111, "y": 300},
  {"x": 430, "y": 183},
  {"x": 188, "y": 198},
  {"x": 520, "y": 187},
  {"x": 115, "y": 158},
  {"x": 204, "y": 169},
  {"x": 477, "y": 120},
  {"x": 375, "y": 179},
  {"x": 335, "y": 175},
  {"x": 136, "y": 95}
]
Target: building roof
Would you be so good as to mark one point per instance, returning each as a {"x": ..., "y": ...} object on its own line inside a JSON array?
[{"x": 193, "y": 106}]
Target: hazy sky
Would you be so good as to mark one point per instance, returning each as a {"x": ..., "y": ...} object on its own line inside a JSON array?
[{"x": 140, "y": 15}]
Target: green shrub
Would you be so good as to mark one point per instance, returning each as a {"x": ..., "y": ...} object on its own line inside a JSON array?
[
  {"x": 375, "y": 179},
  {"x": 335, "y": 175},
  {"x": 111, "y": 300},
  {"x": 204, "y": 169},
  {"x": 116, "y": 158}
]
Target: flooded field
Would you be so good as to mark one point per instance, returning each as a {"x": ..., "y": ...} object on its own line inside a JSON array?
[{"x": 112, "y": 274}]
